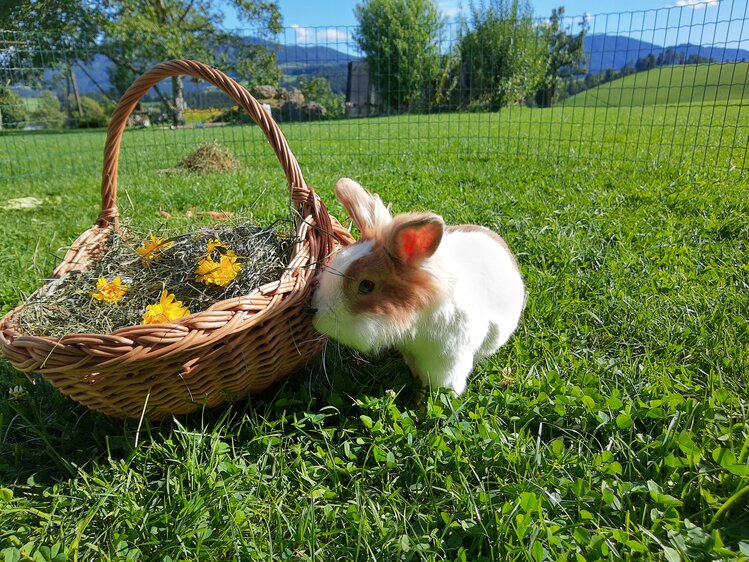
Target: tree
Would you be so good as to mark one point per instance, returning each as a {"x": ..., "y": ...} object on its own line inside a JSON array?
[
  {"x": 646, "y": 63},
  {"x": 565, "y": 58},
  {"x": 94, "y": 114},
  {"x": 318, "y": 90},
  {"x": 13, "y": 112},
  {"x": 695, "y": 58},
  {"x": 141, "y": 33},
  {"x": 47, "y": 114},
  {"x": 400, "y": 39},
  {"x": 670, "y": 57},
  {"x": 68, "y": 36},
  {"x": 500, "y": 53}
]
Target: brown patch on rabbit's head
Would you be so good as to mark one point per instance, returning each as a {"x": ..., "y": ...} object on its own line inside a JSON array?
[{"x": 390, "y": 281}]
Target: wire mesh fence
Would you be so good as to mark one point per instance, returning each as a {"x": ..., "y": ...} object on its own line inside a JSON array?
[{"x": 662, "y": 87}]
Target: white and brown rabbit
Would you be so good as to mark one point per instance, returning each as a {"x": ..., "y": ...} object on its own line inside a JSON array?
[{"x": 444, "y": 296}]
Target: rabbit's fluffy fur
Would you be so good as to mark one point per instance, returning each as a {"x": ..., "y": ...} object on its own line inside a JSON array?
[{"x": 444, "y": 296}]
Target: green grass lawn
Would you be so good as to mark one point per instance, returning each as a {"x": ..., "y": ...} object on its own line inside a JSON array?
[
  {"x": 612, "y": 426},
  {"x": 680, "y": 137},
  {"x": 665, "y": 85}
]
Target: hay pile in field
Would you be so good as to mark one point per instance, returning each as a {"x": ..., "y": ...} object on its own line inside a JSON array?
[
  {"x": 209, "y": 158},
  {"x": 252, "y": 257}
]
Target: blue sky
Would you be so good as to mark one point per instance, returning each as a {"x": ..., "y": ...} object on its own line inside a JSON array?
[{"x": 663, "y": 22}]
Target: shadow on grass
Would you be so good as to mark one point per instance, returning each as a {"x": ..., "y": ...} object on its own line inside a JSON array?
[{"x": 46, "y": 437}]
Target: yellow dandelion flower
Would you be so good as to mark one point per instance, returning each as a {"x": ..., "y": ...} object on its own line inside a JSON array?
[
  {"x": 215, "y": 244},
  {"x": 166, "y": 310},
  {"x": 219, "y": 273},
  {"x": 151, "y": 250},
  {"x": 109, "y": 291}
]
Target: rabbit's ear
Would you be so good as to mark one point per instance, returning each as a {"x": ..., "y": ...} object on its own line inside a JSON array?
[
  {"x": 415, "y": 237},
  {"x": 369, "y": 213}
]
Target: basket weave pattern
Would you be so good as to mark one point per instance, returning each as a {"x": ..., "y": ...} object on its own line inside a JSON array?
[{"x": 235, "y": 347}]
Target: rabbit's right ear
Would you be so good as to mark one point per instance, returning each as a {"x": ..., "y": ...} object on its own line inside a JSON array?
[
  {"x": 367, "y": 210},
  {"x": 415, "y": 237}
]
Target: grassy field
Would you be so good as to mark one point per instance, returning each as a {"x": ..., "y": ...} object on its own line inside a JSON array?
[
  {"x": 681, "y": 137},
  {"x": 668, "y": 85},
  {"x": 612, "y": 426}
]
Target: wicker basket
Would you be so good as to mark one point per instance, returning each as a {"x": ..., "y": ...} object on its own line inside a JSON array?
[{"x": 233, "y": 348}]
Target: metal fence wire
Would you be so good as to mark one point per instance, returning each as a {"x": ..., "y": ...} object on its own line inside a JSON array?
[{"x": 662, "y": 87}]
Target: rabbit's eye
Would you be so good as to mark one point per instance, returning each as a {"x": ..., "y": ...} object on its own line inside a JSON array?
[{"x": 366, "y": 286}]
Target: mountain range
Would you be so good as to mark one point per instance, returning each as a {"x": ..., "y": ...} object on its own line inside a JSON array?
[
  {"x": 604, "y": 52},
  {"x": 93, "y": 76},
  {"x": 615, "y": 51}
]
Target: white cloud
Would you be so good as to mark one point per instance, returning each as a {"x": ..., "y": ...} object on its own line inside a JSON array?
[
  {"x": 450, "y": 8},
  {"x": 696, "y": 4},
  {"x": 319, "y": 35}
]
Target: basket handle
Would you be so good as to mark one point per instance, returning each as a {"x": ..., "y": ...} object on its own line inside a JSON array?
[{"x": 302, "y": 195}]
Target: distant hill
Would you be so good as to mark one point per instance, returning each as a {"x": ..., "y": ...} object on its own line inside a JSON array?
[
  {"x": 604, "y": 52},
  {"x": 301, "y": 54},
  {"x": 93, "y": 76},
  {"x": 316, "y": 55},
  {"x": 615, "y": 51},
  {"x": 295, "y": 60},
  {"x": 670, "y": 85}
]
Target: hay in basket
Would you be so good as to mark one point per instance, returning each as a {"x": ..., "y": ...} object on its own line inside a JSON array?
[
  {"x": 138, "y": 272},
  {"x": 235, "y": 346}
]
